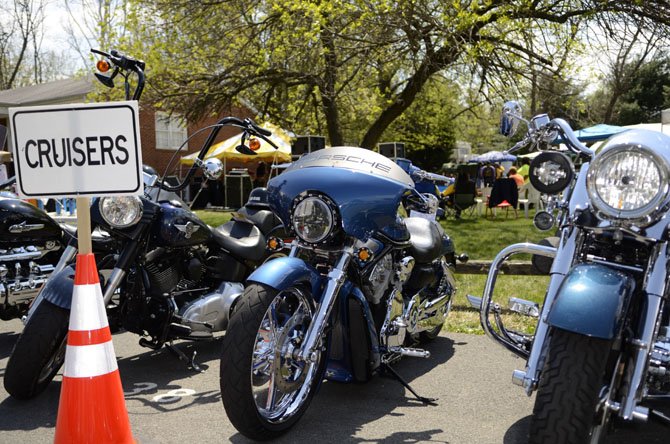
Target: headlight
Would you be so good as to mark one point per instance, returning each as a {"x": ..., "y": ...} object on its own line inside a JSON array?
[
  {"x": 628, "y": 182},
  {"x": 313, "y": 219},
  {"x": 120, "y": 211},
  {"x": 551, "y": 172}
]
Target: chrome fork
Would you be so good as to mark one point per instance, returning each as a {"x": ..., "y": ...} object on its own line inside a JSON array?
[{"x": 336, "y": 278}]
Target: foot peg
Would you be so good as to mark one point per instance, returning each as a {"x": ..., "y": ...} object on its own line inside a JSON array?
[{"x": 411, "y": 352}]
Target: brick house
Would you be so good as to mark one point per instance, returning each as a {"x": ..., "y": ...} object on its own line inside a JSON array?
[{"x": 161, "y": 134}]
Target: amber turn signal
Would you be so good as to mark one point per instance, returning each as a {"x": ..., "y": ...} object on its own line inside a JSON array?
[
  {"x": 102, "y": 65},
  {"x": 274, "y": 243},
  {"x": 254, "y": 144},
  {"x": 364, "y": 254}
]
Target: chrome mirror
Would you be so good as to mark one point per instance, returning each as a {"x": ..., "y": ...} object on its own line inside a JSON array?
[
  {"x": 510, "y": 118},
  {"x": 212, "y": 168}
]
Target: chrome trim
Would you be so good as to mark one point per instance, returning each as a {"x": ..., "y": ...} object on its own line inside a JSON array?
[
  {"x": 487, "y": 297},
  {"x": 112, "y": 284},
  {"x": 654, "y": 288},
  {"x": 336, "y": 278}
]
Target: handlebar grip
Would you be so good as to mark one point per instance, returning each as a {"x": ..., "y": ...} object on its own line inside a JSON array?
[{"x": 258, "y": 129}]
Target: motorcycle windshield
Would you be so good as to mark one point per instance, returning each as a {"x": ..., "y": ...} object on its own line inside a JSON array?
[{"x": 365, "y": 186}]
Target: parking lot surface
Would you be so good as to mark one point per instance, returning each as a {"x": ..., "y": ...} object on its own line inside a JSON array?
[{"x": 168, "y": 403}]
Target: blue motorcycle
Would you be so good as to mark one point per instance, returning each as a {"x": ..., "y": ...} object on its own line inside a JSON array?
[{"x": 360, "y": 288}]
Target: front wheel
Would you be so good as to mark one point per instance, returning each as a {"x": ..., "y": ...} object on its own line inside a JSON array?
[
  {"x": 574, "y": 376},
  {"x": 264, "y": 389},
  {"x": 39, "y": 352}
]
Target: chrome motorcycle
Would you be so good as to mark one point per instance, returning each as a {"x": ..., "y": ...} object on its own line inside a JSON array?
[
  {"x": 360, "y": 288},
  {"x": 600, "y": 354}
]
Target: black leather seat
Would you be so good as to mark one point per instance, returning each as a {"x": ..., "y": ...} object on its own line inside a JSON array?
[
  {"x": 242, "y": 239},
  {"x": 426, "y": 239}
]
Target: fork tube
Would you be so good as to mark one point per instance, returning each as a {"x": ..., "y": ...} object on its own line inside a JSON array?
[
  {"x": 654, "y": 289},
  {"x": 316, "y": 328}
]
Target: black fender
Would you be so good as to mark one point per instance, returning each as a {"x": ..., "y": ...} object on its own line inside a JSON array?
[
  {"x": 592, "y": 301},
  {"x": 58, "y": 289}
]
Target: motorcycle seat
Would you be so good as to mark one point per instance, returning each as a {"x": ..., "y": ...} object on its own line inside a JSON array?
[
  {"x": 242, "y": 239},
  {"x": 264, "y": 219},
  {"x": 425, "y": 239}
]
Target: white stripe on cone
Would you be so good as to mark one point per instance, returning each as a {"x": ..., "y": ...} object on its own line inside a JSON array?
[
  {"x": 86, "y": 361},
  {"x": 88, "y": 311}
]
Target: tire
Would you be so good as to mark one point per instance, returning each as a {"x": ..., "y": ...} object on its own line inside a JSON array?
[
  {"x": 242, "y": 390},
  {"x": 574, "y": 374},
  {"x": 38, "y": 353}
]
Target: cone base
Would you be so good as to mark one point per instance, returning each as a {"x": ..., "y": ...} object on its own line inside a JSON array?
[{"x": 93, "y": 410}]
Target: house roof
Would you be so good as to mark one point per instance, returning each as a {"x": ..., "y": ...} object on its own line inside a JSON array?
[{"x": 47, "y": 92}]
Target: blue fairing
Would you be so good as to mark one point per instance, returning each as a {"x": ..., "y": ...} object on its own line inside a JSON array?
[
  {"x": 284, "y": 272},
  {"x": 592, "y": 301},
  {"x": 365, "y": 186}
]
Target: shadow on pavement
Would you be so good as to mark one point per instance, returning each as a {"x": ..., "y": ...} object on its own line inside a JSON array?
[{"x": 344, "y": 409}]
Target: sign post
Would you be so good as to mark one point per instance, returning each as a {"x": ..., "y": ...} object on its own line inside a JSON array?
[{"x": 80, "y": 151}]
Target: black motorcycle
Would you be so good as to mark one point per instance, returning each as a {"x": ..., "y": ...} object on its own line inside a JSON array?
[{"x": 171, "y": 275}]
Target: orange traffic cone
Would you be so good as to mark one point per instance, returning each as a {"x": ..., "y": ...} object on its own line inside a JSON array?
[{"x": 91, "y": 408}]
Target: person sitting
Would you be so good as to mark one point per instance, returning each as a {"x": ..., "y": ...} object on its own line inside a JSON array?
[
  {"x": 518, "y": 178},
  {"x": 524, "y": 169}
]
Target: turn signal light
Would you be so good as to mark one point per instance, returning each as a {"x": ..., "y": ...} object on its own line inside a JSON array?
[
  {"x": 275, "y": 244},
  {"x": 254, "y": 144},
  {"x": 102, "y": 65},
  {"x": 364, "y": 254}
]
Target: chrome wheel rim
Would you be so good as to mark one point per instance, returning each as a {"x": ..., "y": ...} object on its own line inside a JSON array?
[
  {"x": 280, "y": 383},
  {"x": 54, "y": 362}
]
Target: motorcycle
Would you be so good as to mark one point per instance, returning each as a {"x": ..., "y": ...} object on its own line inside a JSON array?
[
  {"x": 600, "y": 354},
  {"x": 31, "y": 243},
  {"x": 171, "y": 275},
  {"x": 361, "y": 286}
]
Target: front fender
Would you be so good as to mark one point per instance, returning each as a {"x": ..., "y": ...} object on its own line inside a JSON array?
[
  {"x": 592, "y": 301},
  {"x": 58, "y": 289},
  {"x": 284, "y": 272}
]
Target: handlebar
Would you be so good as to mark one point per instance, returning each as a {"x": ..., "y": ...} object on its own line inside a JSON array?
[
  {"x": 122, "y": 63},
  {"x": 563, "y": 128}
]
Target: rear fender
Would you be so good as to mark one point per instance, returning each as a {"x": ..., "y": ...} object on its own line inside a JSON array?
[
  {"x": 592, "y": 301},
  {"x": 284, "y": 272}
]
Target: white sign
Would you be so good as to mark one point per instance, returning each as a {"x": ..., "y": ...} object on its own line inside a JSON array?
[{"x": 77, "y": 149}]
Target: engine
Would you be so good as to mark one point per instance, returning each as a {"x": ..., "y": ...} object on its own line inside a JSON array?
[
  {"x": 22, "y": 274},
  {"x": 659, "y": 363}
]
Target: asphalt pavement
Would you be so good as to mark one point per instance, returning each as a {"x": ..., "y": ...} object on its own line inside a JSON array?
[{"x": 168, "y": 403}]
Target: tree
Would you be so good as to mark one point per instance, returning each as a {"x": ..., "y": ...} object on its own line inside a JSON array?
[
  {"x": 347, "y": 67},
  {"x": 20, "y": 31}
]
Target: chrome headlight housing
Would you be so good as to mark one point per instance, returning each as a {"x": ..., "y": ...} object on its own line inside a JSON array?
[
  {"x": 629, "y": 182},
  {"x": 314, "y": 218},
  {"x": 120, "y": 211}
]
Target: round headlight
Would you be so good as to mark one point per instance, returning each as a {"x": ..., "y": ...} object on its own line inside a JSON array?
[
  {"x": 628, "y": 182},
  {"x": 120, "y": 211},
  {"x": 313, "y": 219}
]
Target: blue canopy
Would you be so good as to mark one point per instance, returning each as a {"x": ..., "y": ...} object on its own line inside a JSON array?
[
  {"x": 493, "y": 156},
  {"x": 594, "y": 133}
]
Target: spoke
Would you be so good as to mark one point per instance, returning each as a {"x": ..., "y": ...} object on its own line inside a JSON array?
[{"x": 270, "y": 400}]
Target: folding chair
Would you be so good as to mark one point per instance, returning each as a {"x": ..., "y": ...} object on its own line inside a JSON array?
[
  {"x": 533, "y": 197},
  {"x": 504, "y": 194},
  {"x": 464, "y": 198}
]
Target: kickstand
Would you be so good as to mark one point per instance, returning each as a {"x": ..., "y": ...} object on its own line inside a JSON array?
[
  {"x": 191, "y": 364},
  {"x": 429, "y": 401}
]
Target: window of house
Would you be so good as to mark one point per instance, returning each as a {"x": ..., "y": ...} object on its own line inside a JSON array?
[{"x": 170, "y": 131}]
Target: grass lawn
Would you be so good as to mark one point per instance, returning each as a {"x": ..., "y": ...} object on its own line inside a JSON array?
[{"x": 481, "y": 238}]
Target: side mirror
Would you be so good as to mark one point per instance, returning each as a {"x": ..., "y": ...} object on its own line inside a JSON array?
[
  {"x": 212, "y": 168},
  {"x": 510, "y": 118}
]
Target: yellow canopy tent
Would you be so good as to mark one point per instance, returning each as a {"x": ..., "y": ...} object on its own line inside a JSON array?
[{"x": 225, "y": 150}]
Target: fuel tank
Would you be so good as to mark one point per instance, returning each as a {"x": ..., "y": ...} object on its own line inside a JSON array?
[
  {"x": 23, "y": 224},
  {"x": 178, "y": 227}
]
